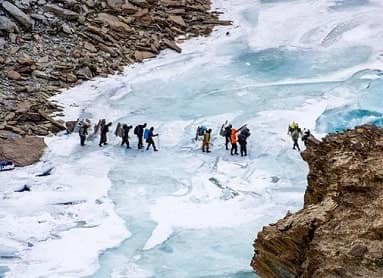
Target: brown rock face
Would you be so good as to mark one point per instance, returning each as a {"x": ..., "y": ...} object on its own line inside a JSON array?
[
  {"x": 339, "y": 231},
  {"x": 22, "y": 151}
]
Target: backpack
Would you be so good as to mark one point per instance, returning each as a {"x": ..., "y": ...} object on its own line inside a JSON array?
[
  {"x": 146, "y": 134},
  {"x": 201, "y": 130},
  {"x": 223, "y": 132},
  {"x": 135, "y": 130}
]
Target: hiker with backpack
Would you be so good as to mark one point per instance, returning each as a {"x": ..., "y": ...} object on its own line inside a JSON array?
[
  {"x": 104, "y": 131},
  {"x": 83, "y": 132},
  {"x": 139, "y": 131},
  {"x": 125, "y": 135},
  {"x": 206, "y": 141},
  {"x": 294, "y": 131},
  {"x": 227, "y": 135},
  {"x": 242, "y": 140},
  {"x": 225, "y": 132},
  {"x": 148, "y": 135}
]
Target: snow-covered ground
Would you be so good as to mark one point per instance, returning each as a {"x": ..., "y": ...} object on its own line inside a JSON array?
[{"x": 112, "y": 212}]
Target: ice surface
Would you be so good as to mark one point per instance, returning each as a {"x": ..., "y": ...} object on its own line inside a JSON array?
[{"x": 112, "y": 212}]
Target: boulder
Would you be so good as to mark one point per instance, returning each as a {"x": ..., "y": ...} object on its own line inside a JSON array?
[
  {"x": 84, "y": 73},
  {"x": 66, "y": 28},
  {"x": 177, "y": 20},
  {"x": 19, "y": 15},
  {"x": 61, "y": 12},
  {"x": 129, "y": 8},
  {"x": 173, "y": 45},
  {"x": 40, "y": 74},
  {"x": 140, "y": 3},
  {"x": 115, "y": 4},
  {"x": 22, "y": 151},
  {"x": 70, "y": 77},
  {"x": 90, "y": 47},
  {"x": 8, "y": 25},
  {"x": 142, "y": 55},
  {"x": 13, "y": 75},
  {"x": 25, "y": 60},
  {"x": 113, "y": 22}
]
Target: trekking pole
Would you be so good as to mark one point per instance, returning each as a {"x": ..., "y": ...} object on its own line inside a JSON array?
[{"x": 158, "y": 141}]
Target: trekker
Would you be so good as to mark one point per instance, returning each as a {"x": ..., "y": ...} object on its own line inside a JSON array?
[
  {"x": 306, "y": 135},
  {"x": 242, "y": 140},
  {"x": 233, "y": 141},
  {"x": 227, "y": 135},
  {"x": 225, "y": 132},
  {"x": 104, "y": 131},
  {"x": 139, "y": 131},
  {"x": 294, "y": 131},
  {"x": 150, "y": 140},
  {"x": 83, "y": 132},
  {"x": 206, "y": 141},
  {"x": 125, "y": 135}
]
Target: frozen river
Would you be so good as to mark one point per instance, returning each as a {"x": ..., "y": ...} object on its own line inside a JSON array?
[{"x": 112, "y": 212}]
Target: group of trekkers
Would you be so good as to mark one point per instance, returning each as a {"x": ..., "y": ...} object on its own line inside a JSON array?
[
  {"x": 141, "y": 131},
  {"x": 295, "y": 132},
  {"x": 232, "y": 136}
]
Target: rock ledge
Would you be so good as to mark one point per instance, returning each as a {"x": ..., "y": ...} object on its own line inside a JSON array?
[{"x": 339, "y": 231}]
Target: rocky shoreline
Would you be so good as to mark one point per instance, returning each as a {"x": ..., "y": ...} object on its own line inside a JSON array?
[
  {"x": 339, "y": 231},
  {"x": 48, "y": 45}
]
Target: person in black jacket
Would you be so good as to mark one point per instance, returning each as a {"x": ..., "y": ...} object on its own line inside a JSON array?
[
  {"x": 139, "y": 131},
  {"x": 125, "y": 135},
  {"x": 150, "y": 140},
  {"x": 305, "y": 136},
  {"x": 227, "y": 135},
  {"x": 242, "y": 140},
  {"x": 83, "y": 132},
  {"x": 104, "y": 131}
]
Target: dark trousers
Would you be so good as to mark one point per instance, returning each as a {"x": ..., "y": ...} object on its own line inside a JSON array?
[
  {"x": 82, "y": 140},
  {"x": 295, "y": 144},
  {"x": 102, "y": 140},
  {"x": 227, "y": 142},
  {"x": 234, "y": 149},
  {"x": 140, "y": 143},
  {"x": 243, "y": 148},
  {"x": 125, "y": 141},
  {"x": 205, "y": 147},
  {"x": 151, "y": 143}
]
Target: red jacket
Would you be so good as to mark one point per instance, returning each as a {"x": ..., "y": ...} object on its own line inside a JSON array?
[{"x": 233, "y": 136}]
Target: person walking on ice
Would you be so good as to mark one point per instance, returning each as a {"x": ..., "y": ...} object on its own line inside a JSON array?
[
  {"x": 104, "y": 132},
  {"x": 206, "y": 141},
  {"x": 125, "y": 135},
  {"x": 149, "y": 139},
  {"x": 83, "y": 132},
  {"x": 242, "y": 140},
  {"x": 294, "y": 131},
  {"x": 233, "y": 141},
  {"x": 139, "y": 131}
]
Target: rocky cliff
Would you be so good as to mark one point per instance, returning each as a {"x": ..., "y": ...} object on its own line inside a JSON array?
[
  {"x": 339, "y": 231},
  {"x": 46, "y": 45}
]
